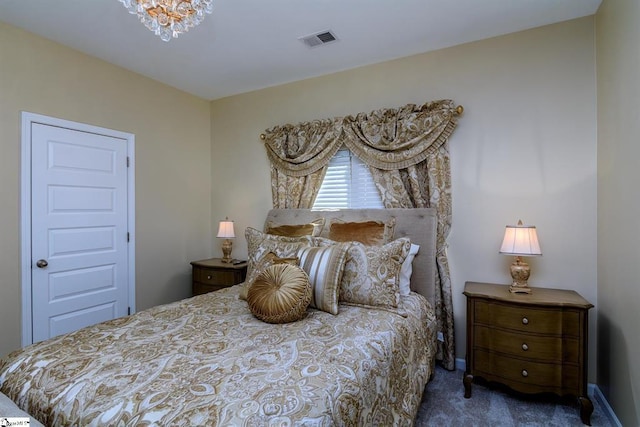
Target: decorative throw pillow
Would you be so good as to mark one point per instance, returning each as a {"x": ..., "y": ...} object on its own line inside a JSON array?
[
  {"x": 267, "y": 260},
  {"x": 367, "y": 232},
  {"x": 314, "y": 228},
  {"x": 259, "y": 244},
  {"x": 371, "y": 274},
  {"x": 407, "y": 270},
  {"x": 324, "y": 265},
  {"x": 280, "y": 294}
]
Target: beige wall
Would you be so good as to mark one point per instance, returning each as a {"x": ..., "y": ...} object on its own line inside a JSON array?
[
  {"x": 618, "y": 67},
  {"x": 173, "y": 172},
  {"x": 525, "y": 148}
]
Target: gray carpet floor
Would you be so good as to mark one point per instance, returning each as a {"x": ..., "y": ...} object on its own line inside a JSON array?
[{"x": 443, "y": 404}]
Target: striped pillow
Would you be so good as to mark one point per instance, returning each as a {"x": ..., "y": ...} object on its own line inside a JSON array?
[{"x": 324, "y": 265}]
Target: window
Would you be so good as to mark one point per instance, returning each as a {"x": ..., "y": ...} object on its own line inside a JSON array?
[{"x": 348, "y": 184}]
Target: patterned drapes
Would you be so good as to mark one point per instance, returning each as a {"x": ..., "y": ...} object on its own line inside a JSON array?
[
  {"x": 299, "y": 158},
  {"x": 407, "y": 152}
]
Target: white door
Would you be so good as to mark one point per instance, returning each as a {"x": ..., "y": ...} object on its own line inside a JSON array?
[{"x": 79, "y": 235}]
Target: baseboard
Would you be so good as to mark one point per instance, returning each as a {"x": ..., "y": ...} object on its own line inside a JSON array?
[
  {"x": 596, "y": 394},
  {"x": 592, "y": 389}
]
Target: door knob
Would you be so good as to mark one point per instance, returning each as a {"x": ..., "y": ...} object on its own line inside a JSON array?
[{"x": 42, "y": 263}]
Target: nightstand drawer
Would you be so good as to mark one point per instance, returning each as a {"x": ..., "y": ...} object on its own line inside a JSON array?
[
  {"x": 525, "y": 375},
  {"x": 535, "y": 347},
  {"x": 214, "y": 277},
  {"x": 528, "y": 319}
]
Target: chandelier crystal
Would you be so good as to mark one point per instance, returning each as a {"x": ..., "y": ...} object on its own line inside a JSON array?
[{"x": 169, "y": 18}]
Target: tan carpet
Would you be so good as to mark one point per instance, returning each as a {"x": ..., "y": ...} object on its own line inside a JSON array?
[{"x": 443, "y": 404}]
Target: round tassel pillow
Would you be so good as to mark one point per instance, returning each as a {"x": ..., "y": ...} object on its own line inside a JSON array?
[{"x": 280, "y": 294}]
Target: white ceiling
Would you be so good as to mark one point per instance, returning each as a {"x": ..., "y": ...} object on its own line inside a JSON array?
[{"x": 252, "y": 44}]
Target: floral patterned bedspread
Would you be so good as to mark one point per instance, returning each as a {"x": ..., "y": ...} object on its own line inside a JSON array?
[{"x": 207, "y": 361}]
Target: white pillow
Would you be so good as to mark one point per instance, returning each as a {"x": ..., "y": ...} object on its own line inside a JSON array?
[{"x": 407, "y": 269}]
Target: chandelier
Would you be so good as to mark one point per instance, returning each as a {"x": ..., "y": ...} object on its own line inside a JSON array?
[{"x": 169, "y": 18}]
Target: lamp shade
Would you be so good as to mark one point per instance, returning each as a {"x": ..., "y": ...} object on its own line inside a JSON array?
[
  {"x": 225, "y": 229},
  {"x": 520, "y": 240}
]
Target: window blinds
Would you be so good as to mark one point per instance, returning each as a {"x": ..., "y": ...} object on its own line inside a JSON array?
[{"x": 348, "y": 184}]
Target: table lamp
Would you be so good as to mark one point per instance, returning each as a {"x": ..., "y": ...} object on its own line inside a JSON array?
[
  {"x": 225, "y": 231},
  {"x": 520, "y": 241}
]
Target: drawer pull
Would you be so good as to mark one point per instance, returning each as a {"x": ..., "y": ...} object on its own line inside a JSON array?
[
  {"x": 525, "y": 347},
  {"x": 525, "y": 373},
  {"x": 209, "y": 277},
  {"x": 525, "y": 321}
]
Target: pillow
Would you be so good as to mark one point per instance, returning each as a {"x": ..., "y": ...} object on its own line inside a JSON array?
[
  {"x": 371, "y": 274},
  {"x": 280, "y": 294},
  {"x": 324, "y": 265},
  {"x": 367, "y": 232},
  {"x": 407, "y": 269},
  {"x": 266, "y": 261},
  {"x": 314, "y": 228},
  {"x": 259, "y": 244}
]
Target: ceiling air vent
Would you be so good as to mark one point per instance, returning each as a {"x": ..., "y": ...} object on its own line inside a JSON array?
[{"x": 318, "y": 39}]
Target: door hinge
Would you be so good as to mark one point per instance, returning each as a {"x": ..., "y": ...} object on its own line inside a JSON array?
[
  {"x": 128, "y": 161},
  {"x": 127, "y": 236},
  {"x": 128, "y": 311}
]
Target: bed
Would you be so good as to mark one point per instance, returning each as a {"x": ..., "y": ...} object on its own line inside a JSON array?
[{"x": 208, "y": 360}]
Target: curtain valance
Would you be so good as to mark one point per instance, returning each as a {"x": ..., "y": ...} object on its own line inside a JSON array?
[
  {"x": 302, "y": 149},
  {"x": 387, "y": 139}
]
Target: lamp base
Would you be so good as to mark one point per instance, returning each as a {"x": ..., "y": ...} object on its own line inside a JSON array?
[
  {"x": 520, "y": 272},
  {"x": 227, "y": 245},
  {"x": 519, "y": 290}
]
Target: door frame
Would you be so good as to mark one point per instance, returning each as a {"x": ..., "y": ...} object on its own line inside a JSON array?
[{"x": 25, "y": 209}]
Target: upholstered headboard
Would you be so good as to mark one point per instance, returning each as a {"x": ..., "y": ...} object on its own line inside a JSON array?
[{"x": 418, "y": 224}]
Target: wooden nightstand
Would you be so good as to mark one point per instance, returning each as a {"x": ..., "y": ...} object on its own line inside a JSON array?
[
  {"x": 531, "y": 343},
  {"x": 212, "y": 275}
]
